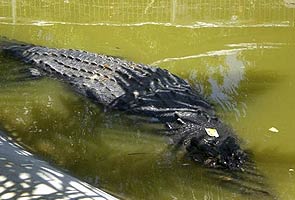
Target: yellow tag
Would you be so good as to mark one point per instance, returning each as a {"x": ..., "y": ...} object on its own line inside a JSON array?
[{"x": 212, "y": 132}]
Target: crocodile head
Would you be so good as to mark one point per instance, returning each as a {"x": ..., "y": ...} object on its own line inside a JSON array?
[{"x": 217, "y": 151}]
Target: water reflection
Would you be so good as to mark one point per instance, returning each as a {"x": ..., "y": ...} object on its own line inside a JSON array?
[
  {"x": 223, "y": 91},
  {"x": 192, "y": 13},
  {"x": 221, "y": 75}
]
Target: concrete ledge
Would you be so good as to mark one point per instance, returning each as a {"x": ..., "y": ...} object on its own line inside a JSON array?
[{"x": 24, "y": 176}]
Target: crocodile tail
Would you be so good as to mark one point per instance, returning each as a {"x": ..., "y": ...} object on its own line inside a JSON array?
[{"x": 13, "y": 47}]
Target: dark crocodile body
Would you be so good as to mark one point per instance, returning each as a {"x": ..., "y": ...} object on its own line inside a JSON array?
[{"x": 141, "y": 90}]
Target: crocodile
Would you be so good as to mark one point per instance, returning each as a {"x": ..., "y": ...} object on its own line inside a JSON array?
[{"x": 137, "y": 89}]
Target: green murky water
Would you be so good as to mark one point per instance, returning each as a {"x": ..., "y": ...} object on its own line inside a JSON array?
[{"x": 241, "y": 56}]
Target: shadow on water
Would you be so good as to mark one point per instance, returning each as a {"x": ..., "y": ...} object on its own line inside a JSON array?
[
  {"x": 249, "y": 182},
  {"x": 24, "y": 176}
]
